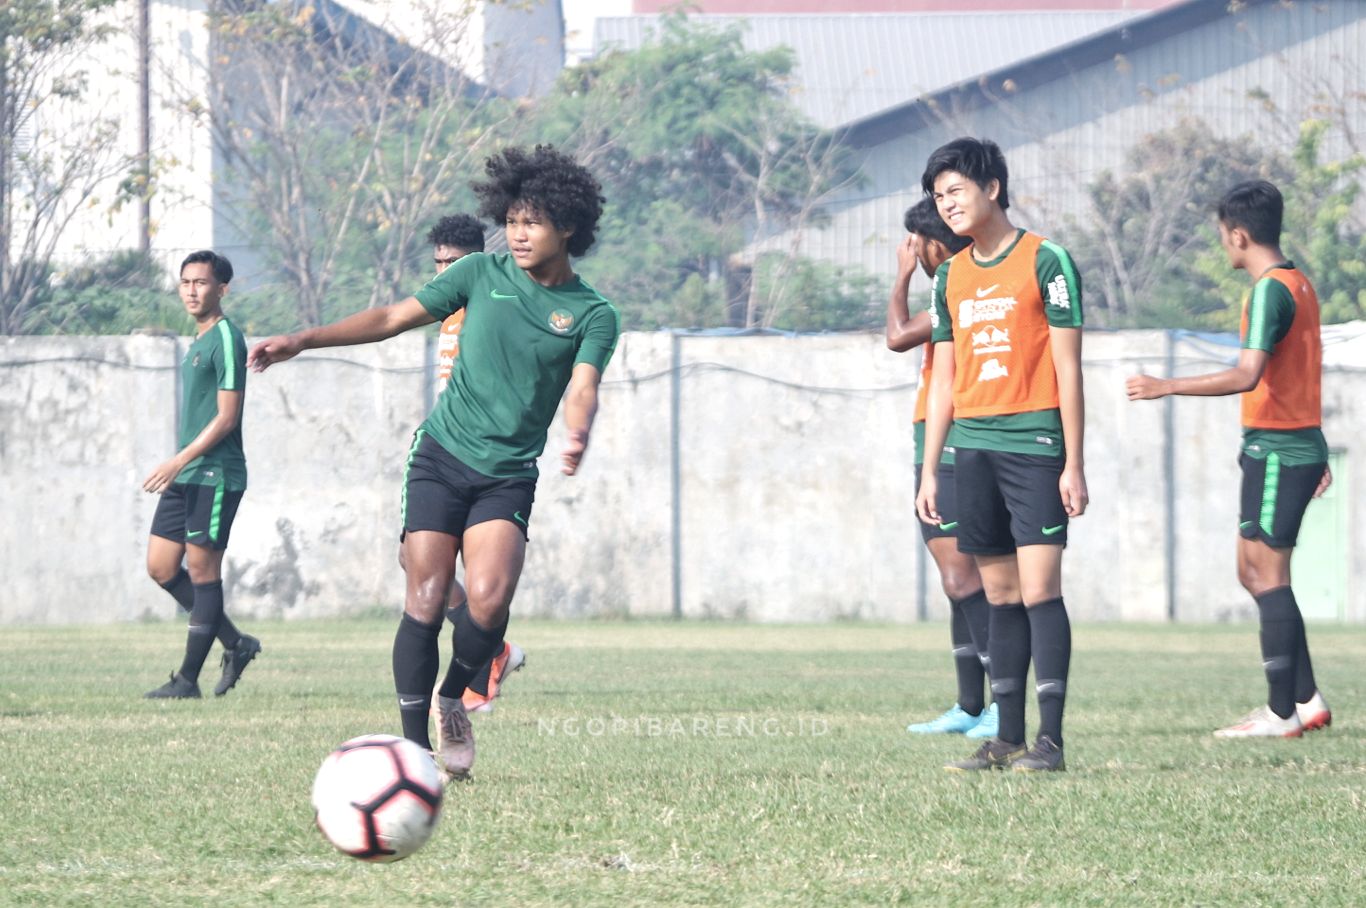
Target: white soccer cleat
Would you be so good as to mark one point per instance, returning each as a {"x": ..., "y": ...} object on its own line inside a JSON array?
[
  {"x": 1314, "y": 713},
  {"x": 1263, "y": 723}
]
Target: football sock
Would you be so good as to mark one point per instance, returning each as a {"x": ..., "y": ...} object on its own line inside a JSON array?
[
  {"x": 1009, "y": 668},
  {"x": 417, "y": 658},
  {"x": 1281, "y": 633},
  {"x": 971, "y": 697},
  {"x": 1305, "y": 685},
  {"x": 978, "y": 612},
  {"x": 204, "y": 618},
  {"x": 182, "y": 591},
  {"x": 480, "y": 682},
  {"x": 1050, "y": 634},
  {"x": 472, "y": 646}
]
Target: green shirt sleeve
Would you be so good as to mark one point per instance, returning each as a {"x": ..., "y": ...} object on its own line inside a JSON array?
[
  {"x": 600, "y": 336},
  {"x": 1060, "y": 285},
  {"x": 450, "y": 290},
  {"x": 230, "y": 357},
  {"x": 1270, "y": 311},
  {"x": 941, "y": 326}
]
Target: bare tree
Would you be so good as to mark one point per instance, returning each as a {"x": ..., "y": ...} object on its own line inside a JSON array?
[
  {"x": 341, "y": 140},
  {"x": 57, "y": 151}
]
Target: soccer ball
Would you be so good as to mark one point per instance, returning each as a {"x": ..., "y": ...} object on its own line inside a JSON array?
[{"x": 377, "y": 797}]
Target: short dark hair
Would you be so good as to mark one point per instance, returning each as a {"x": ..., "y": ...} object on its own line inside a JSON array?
[
  {"x": 550, "y": 182},
  {"x": 1257, "y": 207},
  {"x": 222, "y": 268},
  {"x": 923, "y": 218},
  {"x": 463, "y": 231},
  {"x": 980, "y": 160}
]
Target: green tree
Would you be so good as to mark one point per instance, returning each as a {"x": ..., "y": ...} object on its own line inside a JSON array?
[
  {"x": 118, "y": 294},
  {"x": 701, "y": 153},
  {"x": 56, "y": 148},
  {"x": 803, "y": 294}
]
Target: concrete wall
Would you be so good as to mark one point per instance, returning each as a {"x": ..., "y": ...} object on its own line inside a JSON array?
[{"x": 795, "y": 483}]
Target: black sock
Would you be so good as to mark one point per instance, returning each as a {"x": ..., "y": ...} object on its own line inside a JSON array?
[
  {"x": 1305, "y": 685},
  {"x": 1280, "y": 633},
  {"x": 978, "y": 612},
  {"x": 1050, "y": 634},
  {"x": 471, "y": 646},
  {"x": 1010, "y": 668},
  {"x": 182, "y": 591},
  {"x": 971, "y": 696},
  {"x": 480, "y": 682},
  {"x": 417, "y": 658},
  {"x": 204, "y": 618}
]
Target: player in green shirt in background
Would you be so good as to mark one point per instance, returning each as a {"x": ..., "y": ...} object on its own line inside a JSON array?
[
  {"x": 533, "y": 328},
  {"x": 202, "y": 485}
]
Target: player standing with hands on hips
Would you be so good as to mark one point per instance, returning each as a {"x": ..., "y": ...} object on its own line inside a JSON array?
[{"x": 533, "y": 329}]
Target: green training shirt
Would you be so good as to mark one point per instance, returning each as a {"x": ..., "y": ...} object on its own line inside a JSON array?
[
  {"x": 1040, "y": 431},
  {"x": 1270, "y": 310},
  {"x": 216, "y": 361},
  {"x": 519, "y": 345}
]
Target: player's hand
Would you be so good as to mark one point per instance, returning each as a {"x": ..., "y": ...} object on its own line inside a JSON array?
[
  {"x": 159, "y": 479},
  {"x": 572, "y": 454},
  {"x": 908, "y": 254},
  {"x": 1145, "y": 387},
  {"x": 1072, "y": 487},
  {"x": 1324, "y": 482},
  {"x": 273, "y": 350},
  {"x": 926, "y": 505}
]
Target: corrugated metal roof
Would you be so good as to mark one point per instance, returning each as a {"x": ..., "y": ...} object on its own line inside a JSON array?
[{"x": 852, "y": 66}]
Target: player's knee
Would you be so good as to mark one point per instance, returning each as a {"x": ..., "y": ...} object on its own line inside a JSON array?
[
  {"x": 488, "y": 597},
  {"x": 162, "y": 573},
  {"x": 427, "y": 598},
  {"x": 959, "y": 582}
]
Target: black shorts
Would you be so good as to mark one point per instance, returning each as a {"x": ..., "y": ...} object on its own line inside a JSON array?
[
  {"x": 196, "y": 515},
  {"x": 440, "y": 493},
  {"x": 1006, "y": 500},
  {"x": 946, "y": 501},
  {"x": 1274, "y": 498}
]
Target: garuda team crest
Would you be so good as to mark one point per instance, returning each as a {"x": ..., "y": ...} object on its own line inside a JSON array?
[{"x": 561, "y": 320}]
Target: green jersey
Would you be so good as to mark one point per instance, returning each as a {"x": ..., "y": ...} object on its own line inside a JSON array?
[
  {"x": 1270, "y": 313},
  {"x": 519, "y": 344},
  {"x": 216, "y": 361},
  {"x": 1059, "y": 291}
]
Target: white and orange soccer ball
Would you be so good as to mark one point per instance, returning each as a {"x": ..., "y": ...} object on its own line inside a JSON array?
[{"x": 377, "y": 797}]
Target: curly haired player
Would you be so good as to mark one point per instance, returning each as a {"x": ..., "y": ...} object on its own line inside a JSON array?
[{"x": 533, "y": 328}]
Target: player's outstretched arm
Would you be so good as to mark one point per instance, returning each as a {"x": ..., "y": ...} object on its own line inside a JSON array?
[
  {"x": 904, "y": 331},
  {"x": 1242, "y": 377},
  {"x": 362, "y": 328},
  {"x": 580, "y": 408}
]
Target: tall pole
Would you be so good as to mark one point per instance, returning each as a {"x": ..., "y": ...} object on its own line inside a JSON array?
[{"x": 145, "y": 125}]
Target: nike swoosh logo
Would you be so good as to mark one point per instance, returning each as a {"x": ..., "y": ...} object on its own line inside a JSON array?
[
  {"x": 403, "y": 702},
  {"x": 1245, "y": 524},
  {"x": 982, "y": 293},
  {"x": 948, "y": 526},
  {"x": 1049, "y": 531},
  {"x": 195, "y": 533},
  {"x": 517, "y": 516},
  {"x": 503, "y": 296}
]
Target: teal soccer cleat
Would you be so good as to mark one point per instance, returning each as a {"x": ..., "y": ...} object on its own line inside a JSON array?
[{"x": 953, "y": 722}]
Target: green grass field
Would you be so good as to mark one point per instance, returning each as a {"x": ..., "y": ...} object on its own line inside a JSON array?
[{"x": 679, "y": 764}]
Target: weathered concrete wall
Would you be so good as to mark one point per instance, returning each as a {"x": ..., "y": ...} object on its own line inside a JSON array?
[{"x": 795, "y": 483}]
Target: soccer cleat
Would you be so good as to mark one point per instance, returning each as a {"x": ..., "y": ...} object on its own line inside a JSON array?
[
  {"x": 511, "y": 659},
  {"x": 1263, "y": 723},
  {"x": 988, "y": 724},
  {"x": 235, "y": 662},
  {"x": 175, "y": 689},
  {"x": 1314, "y": 713},
  {"x": 454, "y": 737},
  {"x": 1044, "y": 756},
  {"x": 993, "y": 754},
  {"x": 953, "y": 722}
]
